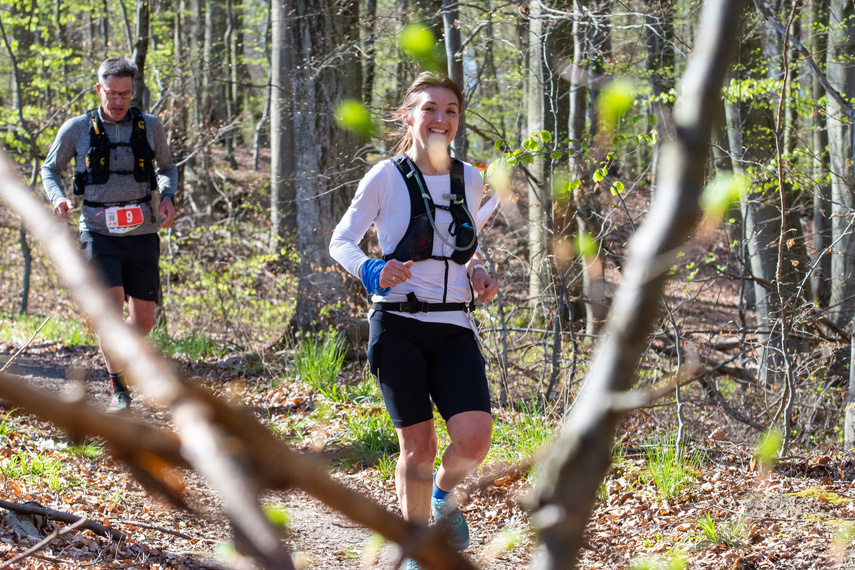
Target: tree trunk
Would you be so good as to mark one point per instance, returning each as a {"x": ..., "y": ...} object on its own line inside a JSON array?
[
  {"x": 455, "y": 68},
  {"x": 821, "y": 238},
  {"x": 660, "y": 65},
  {"x": 840, "y": 72},
  {"x": 369, "y": 42},
  {"x": 140, "y": 53},
  {"x": 585, "y": 199},
  {"x": 283, "y": 206},
  {"x": 326, "y": 167},
  {"x": 538, "y": 200},
  {"x": 849, "y": 420}
]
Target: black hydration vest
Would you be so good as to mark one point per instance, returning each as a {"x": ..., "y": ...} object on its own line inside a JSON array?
[
  {"x": 417, "y": 243},
  {"x": 98, "y": 157}
]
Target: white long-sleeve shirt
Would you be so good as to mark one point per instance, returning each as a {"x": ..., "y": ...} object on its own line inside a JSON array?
[{"x": 382, "y": 199}]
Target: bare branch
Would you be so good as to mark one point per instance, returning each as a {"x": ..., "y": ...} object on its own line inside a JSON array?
[{"x": 88, "y": 524}]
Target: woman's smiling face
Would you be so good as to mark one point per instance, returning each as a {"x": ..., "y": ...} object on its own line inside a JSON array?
[{"x": 434, "y": 118}]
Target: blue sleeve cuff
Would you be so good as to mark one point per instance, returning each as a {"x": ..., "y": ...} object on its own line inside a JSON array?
[{"x": 370, "y": 275}]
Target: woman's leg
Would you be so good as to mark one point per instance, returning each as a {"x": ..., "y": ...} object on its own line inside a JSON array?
[
  {"x": 415, "y": 469},
  {"x": 470, "y": 434}
]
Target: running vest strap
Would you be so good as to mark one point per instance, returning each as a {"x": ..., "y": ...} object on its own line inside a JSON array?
[
  {"x": 98, "y": 156},
  {"x": 417, "y": 243},
  {"x": 413, "y": 305}
]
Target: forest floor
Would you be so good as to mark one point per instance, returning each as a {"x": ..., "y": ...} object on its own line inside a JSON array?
[{"x": 732, "y": 514}]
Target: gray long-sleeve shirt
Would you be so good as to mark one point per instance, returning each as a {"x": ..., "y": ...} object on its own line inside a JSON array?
[{"x": 72, "y": 141}]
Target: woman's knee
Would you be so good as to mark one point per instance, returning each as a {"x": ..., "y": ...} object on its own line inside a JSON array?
[
  {"x": 471, "y": 434},
  {"x": 418, "y": 443}
]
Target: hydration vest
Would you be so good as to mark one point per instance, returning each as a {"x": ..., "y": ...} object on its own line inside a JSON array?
[
  {"x": 98, "y": 156},
  {"x": 417, "y": 243}
]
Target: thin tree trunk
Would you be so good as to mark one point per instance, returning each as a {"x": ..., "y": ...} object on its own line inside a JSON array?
[
  {"x": 538, "y": 202},
  {"x": 841, "y": 75},
  {"x": 283, "y": 207},
  {"x": 140, "y": 53},
  {"x": 369, "y": 45},
  {"x": 821, "y": 239},
  {"x": 450, "y": 16}
]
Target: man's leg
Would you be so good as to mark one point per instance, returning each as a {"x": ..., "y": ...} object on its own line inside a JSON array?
[
  {"x": 117, "y": 294},
  {"x": 141, "y": 317},
  {"x": 415, "y": 467}
]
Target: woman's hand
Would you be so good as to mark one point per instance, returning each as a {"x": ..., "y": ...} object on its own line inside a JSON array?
[
  {"x": 395, "y": 272},
  {"x": 484, "y": 285}
]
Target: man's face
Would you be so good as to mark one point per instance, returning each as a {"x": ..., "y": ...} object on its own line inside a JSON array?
[{"x": 115, "y": 94}]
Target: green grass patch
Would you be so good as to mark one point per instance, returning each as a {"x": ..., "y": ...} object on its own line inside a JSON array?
[
  {"x": 39, "y": 468},
  {"x": 722, "y": 532},
  {"x": 318, "y": 361},
  {"x": 193, "y": 346},
  {"x": 672, "y": 472},
  {"x": 87, "y": 450},
  {"x": 67, "y": 330},
  {"x": 518, "y": 437},
  {"x": 372, "y": 434}
]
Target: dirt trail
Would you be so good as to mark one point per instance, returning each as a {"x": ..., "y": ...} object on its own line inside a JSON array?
[{"x": 320, "y": 536}]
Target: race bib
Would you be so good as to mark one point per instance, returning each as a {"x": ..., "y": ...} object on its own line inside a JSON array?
[{"x": 122, "y": 219}]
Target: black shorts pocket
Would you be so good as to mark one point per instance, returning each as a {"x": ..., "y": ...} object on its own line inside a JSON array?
[{"x": 376, "y": 328}]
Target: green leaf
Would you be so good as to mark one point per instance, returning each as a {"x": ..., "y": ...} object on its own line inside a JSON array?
[
  {"x": 617, "y": 188},
  {"x": 724, "y": 191},
  {"x": 353, "y": 116},
  {"x": 586, "y": 244},
  {"x": 417, "y": 41},
  {"x": 614, "y": 102},
  {"x": 545, "y": 136},
  {"x": 278, "y": 515},
  {"x": 652, "y": 119},
  {"x": 499, "y": 144},
  {"x": 767, "y": 449},
  {"x": 555, "y": 155}
]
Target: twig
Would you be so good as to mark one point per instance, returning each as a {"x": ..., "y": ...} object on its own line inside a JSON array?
[
  {"x": 43, "y": 543},
  {"x": 88, "y": 524},
  {"x": 141, "y": 524},
  {"x": 23, "y": 348}
]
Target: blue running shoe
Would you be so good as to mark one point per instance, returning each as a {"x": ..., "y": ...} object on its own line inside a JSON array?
[
  {"x": 446, "y": 511},
  {"x": 410, "y": 564}
]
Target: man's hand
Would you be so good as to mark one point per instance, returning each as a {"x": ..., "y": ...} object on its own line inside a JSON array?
[
  {"x": 167, "y": 212},
  {"x": 484, "y": 285},
  {"x": 63, "y": 207}
]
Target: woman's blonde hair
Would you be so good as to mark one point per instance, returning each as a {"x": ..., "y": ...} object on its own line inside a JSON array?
[{"x": 424, "y": 81}]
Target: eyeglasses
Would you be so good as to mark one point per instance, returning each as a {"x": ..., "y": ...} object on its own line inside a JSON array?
[{"x": 113, "y": 95}]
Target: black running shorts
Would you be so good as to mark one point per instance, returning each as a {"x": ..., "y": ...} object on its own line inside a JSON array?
[
  {"x": 130, "y": 262},
  {"x": 415, "y": 362}
]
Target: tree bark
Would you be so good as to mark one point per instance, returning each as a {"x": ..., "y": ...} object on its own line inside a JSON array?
[
  {"x": 283, "y": 207},
  {"x": 453, "y": 48},
  {"x": 325, "y": 168},
  {"x": 821, "y": 237},
  {"x": 841, "y": 75},
  {"x": 538, "y": 200},
  {"x": 140, "y": 53}
]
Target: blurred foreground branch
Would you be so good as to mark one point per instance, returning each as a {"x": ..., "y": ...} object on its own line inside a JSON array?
[{"x": 577, "y": 463}]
